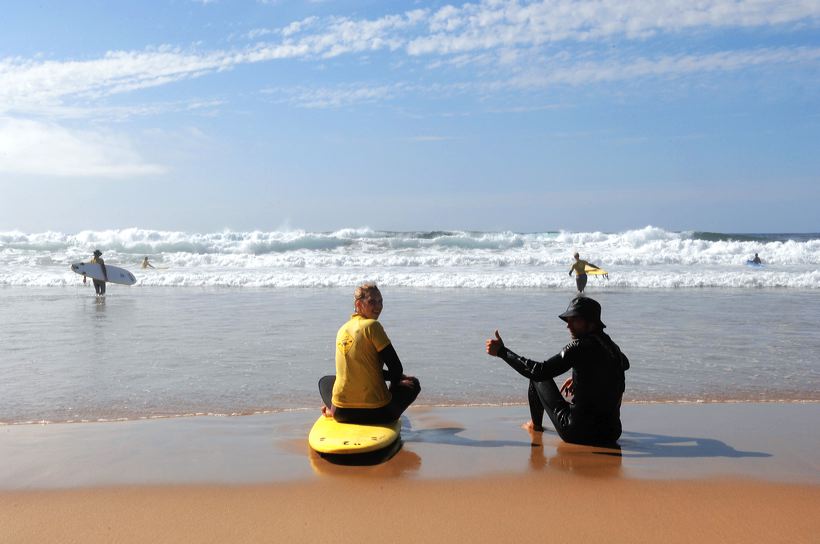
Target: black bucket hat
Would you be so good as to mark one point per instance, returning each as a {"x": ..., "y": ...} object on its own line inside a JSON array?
[
  {"x": 97, "y": 252},
  {"x": 585, "y": 308}
]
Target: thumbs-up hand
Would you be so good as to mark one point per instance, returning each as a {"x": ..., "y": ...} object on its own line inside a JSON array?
[{"x": 494, "y": 345}]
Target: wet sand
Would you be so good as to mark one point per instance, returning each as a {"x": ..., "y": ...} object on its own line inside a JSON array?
[{"x": 710, "y": 472}]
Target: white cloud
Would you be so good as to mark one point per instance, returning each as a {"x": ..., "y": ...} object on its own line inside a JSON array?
[
  {"x": 505, "y": 34},
  {"x": 492, "y": 23},
  {"x": 665, "y": 66},
  {"x": 556, "y": 71},
  {"x": 336, "y": 97},
  {"x": 299, "y": 26},
  {"x": 501, "y": 45},
  {"x": 342, "y": 35},
  {"x": 28, "y": 85},
  {"x": 37, "y": 148},
  {"x": 258, "y": 33},
  {"x": 113, "y": 114}
]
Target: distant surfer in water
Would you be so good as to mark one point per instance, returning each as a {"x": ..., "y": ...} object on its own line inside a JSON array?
[
  {"x": 358, "y": 393},
  {"x": 593, "y": 415},
  {"x": 146, "y": 264},
  {"x": 756, "y": 260},
  {"x": 579, "y": 267},
  {"x": 99, "y": 285}
]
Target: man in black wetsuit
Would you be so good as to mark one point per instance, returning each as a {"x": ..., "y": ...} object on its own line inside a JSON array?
[
  {"x": 593, "y": 416},
  {"x": 99, "y": 285}
]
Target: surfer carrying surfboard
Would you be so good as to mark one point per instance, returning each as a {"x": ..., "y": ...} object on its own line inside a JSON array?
[
  {"x": 579, "y": 267},
  {"x": 593, "y": 415},
  {"x": 358, "y": 393},
  {"x": 99, "y": 285}
]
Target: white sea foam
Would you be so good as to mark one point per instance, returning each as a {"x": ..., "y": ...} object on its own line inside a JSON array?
[{"x": 642, "y": 258}]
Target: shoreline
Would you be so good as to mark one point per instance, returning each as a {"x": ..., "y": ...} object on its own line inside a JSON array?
[
  {"x": 762, "y": 441},
  {"x": 708, "y": 472},
  {"x": 311, "y": 409}
]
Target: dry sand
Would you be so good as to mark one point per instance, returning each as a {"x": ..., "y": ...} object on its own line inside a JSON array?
[{"x": 706, "y": 473}]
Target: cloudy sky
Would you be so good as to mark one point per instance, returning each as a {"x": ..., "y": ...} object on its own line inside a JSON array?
[{"x": 204, "y": 115}]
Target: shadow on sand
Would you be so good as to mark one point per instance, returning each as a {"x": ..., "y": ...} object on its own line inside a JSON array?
[
  {"x": 634, "y": 444},
  {"x": 449, "y": 436}
]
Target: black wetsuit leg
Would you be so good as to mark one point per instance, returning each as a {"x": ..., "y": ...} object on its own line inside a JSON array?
[
  {"x": 99, "y": 286},
  {"x": 402, "y": 397},
  {"x": 536, "y": 408},
  {"x": 326, "y": 390},
  {"x": 571, "y": 427},
  {"x": 551, "y": 401},
  {"x": 581, "y": 282}
]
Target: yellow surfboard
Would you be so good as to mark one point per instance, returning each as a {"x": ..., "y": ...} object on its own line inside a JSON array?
[
  {"x": 330, "y": 436},
  {"x": 595, "y": 271}
]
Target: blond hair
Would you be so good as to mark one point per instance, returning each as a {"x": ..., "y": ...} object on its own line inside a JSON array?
[{"x": 364, "y": 290}]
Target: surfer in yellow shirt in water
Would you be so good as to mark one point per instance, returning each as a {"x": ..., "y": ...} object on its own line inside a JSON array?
[
  {"x": 358, "y": 393},
  {"x": 99, "y": 285},
  {"x": 579, "y": 267}
]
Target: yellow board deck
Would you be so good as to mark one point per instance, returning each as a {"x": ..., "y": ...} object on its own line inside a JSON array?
[
  {"x": 330, "y": 436},
  {"x": 595, "y": 271}
]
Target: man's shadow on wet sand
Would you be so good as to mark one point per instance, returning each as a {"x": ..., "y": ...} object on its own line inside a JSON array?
[
  {"x": 631, "y": 444},
  {"x": 635, "y": 444},
  {"x": 449, "y": 436}
]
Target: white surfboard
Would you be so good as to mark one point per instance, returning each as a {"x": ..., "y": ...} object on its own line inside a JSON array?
[{"x": 115, "y": 273}]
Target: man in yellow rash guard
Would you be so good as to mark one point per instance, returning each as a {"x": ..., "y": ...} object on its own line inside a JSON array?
[
  {"x": 579, "y": 267},
  {"x": 359, "y": 393}
]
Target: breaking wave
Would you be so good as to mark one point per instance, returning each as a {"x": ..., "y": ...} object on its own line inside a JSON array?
[{"x": 642, "y": 258}]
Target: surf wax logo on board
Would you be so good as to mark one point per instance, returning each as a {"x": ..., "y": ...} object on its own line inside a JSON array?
[{"x": 344, "y": 342}]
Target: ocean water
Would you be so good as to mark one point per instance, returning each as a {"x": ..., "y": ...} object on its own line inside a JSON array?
[
  {"x": 648, "y": 258},
  {"x": 242, "y": 323}
]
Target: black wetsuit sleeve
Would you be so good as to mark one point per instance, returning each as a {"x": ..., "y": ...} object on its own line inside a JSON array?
[
  {"x": 389, "y": 358},
  {"x": 536, "y": 370}
]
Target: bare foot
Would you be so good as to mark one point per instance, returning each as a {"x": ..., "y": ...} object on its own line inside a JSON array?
[
  {"x": 536, "y": 434},
  {"x": 530, "y": 426},
  {"x": 326, "y": 412}
]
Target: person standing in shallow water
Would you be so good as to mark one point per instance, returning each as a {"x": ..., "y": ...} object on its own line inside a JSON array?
[
  {"x": 99, "y": 285},
  {"x": 593, "y": 416},
  {"x": 359, "y": 393},
  {"x": 580, "y": 269}
]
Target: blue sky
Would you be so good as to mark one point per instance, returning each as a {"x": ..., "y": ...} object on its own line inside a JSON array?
[{"x": 495, "y": 115}]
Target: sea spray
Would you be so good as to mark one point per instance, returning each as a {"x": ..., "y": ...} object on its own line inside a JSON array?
[{"x": 643, "y": 258}]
